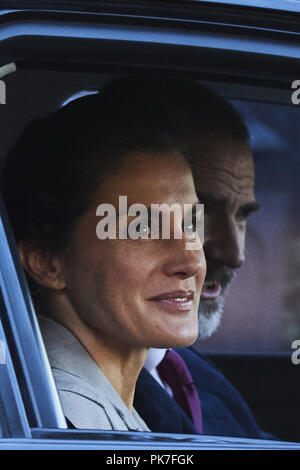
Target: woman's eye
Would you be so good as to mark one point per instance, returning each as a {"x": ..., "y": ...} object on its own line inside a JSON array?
[
  {"x": 191, "y": 225},
  {"x": 145, "y": 229},
  {"x": 189, "y": 229}
]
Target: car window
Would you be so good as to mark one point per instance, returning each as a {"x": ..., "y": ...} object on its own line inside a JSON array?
[
  {"x": 260, "y": 313},
  {"x": 55, "y": 52}
]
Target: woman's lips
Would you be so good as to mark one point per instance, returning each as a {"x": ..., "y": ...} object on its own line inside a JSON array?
[
  {"x": 180, "y": 300},
  {"x": 211, "y": 290}
]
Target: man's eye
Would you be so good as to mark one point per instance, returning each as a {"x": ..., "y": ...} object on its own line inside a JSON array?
[{"x": 242, "y": 215}]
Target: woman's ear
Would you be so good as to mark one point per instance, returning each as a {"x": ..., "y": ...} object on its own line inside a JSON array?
[{"x": 43, "y": 267}]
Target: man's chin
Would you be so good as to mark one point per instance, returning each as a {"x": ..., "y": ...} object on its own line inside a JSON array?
[{"x": 210, "y": 316}]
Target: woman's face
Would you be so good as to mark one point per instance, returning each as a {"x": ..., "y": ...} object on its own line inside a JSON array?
[{"x": 143, "y": 292}]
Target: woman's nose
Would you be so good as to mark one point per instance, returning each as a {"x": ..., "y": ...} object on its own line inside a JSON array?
[{"x": 183, "y": 262}]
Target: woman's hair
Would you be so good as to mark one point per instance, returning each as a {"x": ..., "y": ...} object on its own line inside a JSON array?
[
  {"x": 190, "y": 104},
  {"x": 50, "y": 175}
]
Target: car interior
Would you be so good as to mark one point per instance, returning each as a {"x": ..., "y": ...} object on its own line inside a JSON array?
[{"x": 260, "y": 320}]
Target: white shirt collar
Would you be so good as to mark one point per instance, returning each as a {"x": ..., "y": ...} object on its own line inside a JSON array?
[{"x": 155, "y": 356}]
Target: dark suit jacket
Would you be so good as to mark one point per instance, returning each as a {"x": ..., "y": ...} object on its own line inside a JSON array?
[{"x": 224, "y": 412}]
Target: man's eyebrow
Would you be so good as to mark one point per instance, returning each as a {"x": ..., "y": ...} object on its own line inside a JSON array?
[
  {"x": 250, "y": 207},
  {"x": 220, "y": 199}
]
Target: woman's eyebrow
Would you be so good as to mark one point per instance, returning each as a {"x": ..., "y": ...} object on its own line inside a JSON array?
[{"x": 193, "y": 209}]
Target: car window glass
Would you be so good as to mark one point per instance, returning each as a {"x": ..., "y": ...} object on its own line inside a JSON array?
[{"x": 261, "y": 310}]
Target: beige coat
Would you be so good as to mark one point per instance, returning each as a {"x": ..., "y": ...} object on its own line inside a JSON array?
[{"x": 88, "y": 399}]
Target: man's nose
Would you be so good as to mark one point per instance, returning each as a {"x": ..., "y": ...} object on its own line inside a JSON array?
[
  {"x": 185, "y": 263},
  {"x": 224, "y": 242}
]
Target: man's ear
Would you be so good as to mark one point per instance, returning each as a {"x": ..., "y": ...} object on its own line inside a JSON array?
[{"x": 43, "y": 267}]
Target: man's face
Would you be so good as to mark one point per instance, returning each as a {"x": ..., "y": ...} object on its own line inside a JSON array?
[{"x": 224, "y": 181}]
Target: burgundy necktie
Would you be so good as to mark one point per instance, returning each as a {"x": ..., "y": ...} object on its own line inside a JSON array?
[{"x": 174, "y": 371}]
